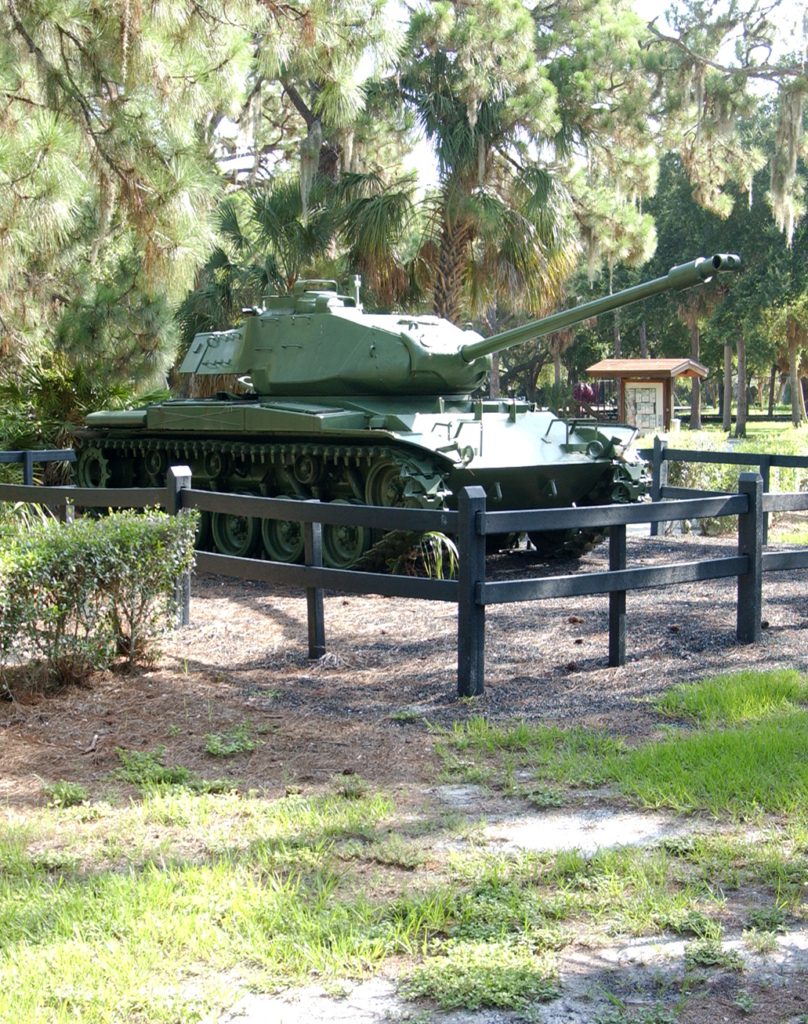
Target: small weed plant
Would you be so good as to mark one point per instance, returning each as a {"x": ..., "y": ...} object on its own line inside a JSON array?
[
  {"x": 65, "y": 794},
  {"x": 146, "y": 770},
  {"x": 237, "y": 741},
  {"x": 474, "y": 975},
  {"x": 711, "y": 953}
]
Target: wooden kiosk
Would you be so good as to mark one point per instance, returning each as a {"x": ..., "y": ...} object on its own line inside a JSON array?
[{"x": 646, "y": 388}]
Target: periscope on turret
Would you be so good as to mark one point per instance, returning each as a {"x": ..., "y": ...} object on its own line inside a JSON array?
[{"x": 380, "y": 409}]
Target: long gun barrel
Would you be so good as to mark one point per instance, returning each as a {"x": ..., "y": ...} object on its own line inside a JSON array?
[{"x": 698, "y": 271}]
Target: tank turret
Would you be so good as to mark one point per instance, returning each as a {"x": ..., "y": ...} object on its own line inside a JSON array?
[
  {"x": 318, "y": 342},
  {"x": 343, "y": 405}
]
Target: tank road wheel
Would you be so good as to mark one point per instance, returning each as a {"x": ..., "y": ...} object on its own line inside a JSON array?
[
  {"x": 282, "y": 538},
  {"x": 308, "y": 470},
  {"x": 215, "y": 464},
  {"x": 93, "y": 469},
  {"x": 344, "y": 545},
  {"x": 384, "y": 484},
  {"x": 235, "y": 535},
  {"x": 155, "y": 462}
]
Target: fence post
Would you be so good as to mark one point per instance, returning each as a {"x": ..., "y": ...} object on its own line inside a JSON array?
[
  {"x": 750, "y": 543},
  {"x": 659, "y": 475},
  {"x": 617, "y": 598},
  {"x": 179, "y": 480},
  {"x": 315, "y": 614},
  {"x": 470, "y": 613},
  {"x": 28, "y": 468},
  {"x": 766, "y": 473},
  {"x": 67, "y": 512}
]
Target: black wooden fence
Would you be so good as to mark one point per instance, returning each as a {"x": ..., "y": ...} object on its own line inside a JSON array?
[
  {"x": 29, "y": 458},
  {"x": 472, "y": 521},
  {"x": 660, "y": 456}
]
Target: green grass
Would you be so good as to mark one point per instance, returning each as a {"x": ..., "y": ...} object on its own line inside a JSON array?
[
  {"x": 168, "y": 907},
  {"x": 154, "y": 910},
  {"x": 742, "y": 771},
  {"x": 795, "y": 537},
  {"x": 745, "y": 758},
  {"x": 100, "y": 942},
  {"x": 735, "y": 698},
  {"x": 575, "y": 757}
]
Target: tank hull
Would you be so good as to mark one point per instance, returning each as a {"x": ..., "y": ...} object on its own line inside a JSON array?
[{"x": 418, "y": 453}]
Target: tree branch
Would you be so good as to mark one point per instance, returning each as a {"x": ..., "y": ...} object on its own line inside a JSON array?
[
  {"x": 299, "y": 103},
  {"x": 771, "y": 72}
]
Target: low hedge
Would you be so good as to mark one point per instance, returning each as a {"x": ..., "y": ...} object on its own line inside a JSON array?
[
  {"x": 76, "y": 598},
  {"x": 723, "y": 477}
]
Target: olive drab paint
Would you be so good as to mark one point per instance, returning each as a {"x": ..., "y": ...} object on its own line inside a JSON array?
[{"x": 348, "y": 406}]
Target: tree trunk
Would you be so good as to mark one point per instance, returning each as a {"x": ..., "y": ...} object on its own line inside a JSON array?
[
  {"x": 797, "y": 403},
  {"x": 643, "y": 339},
  {"x": 772, "y": 382},
  {"x": 743, "y": 398},
  {"x": 695, "y": 393},
  {"x": 726, "y": 419},
  {"x": 493, "y": 379},
  {"x": 618, "y": 341},
  {"x": 451, "y": 269}
]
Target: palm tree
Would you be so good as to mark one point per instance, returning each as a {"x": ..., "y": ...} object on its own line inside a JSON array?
[{"x": 495, "y": 226}]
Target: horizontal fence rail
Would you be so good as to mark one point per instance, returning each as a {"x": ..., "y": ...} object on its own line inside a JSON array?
[
  {"x": 661, "y": 456},
  {"x": 470, "y": 524},
  {"x": 29, "y": 458}
]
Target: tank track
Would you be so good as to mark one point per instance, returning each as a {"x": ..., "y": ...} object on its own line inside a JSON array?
[{"x": 361, "y": 474}]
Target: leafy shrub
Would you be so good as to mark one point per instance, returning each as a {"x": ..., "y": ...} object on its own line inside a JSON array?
[
  {"x": 74, "y": 597},
  {"x": 141, "y": 558},
  {"x": 717, "y": 477}
]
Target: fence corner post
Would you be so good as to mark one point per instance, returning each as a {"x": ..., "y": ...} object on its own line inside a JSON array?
[
  {"x": 179, "y": 480},
  {"x": 315, "y": 613},
  {"x": 659, "y": 475},
  {"x": 750, "y": 544},
  {"x": 470, "y": 577}
]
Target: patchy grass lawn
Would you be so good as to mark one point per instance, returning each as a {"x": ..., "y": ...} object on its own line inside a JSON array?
[{"x": 165, "y": 908}]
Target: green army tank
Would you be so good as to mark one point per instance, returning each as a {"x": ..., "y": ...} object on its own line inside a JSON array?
[{"x": 346, "y": 406}]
